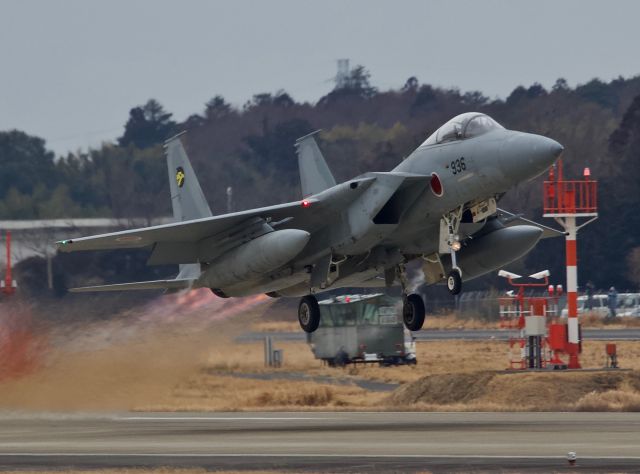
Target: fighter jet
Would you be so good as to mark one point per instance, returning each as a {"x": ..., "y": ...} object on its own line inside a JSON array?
[{"x": 437, "y": 207}]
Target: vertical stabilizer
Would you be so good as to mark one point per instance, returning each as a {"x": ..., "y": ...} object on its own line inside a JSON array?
[
  {"x": 315, "y": 175},
  {"x": 187, "y": 198}
]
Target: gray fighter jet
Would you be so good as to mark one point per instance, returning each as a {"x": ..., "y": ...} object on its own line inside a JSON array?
[{"x": 439, "y": 207}]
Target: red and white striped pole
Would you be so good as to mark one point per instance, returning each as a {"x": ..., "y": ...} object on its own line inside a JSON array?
[{"x": 572, "y": 293}]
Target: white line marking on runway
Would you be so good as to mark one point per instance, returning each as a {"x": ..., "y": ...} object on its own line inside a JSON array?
[
  {"x": 215, "y": 418},
  {"x": 271, "y": 455}
]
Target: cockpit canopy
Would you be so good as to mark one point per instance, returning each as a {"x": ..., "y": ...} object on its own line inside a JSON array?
[{"x": 468, "y": 125}]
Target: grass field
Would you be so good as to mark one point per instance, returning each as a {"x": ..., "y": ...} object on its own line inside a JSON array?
[
  {"x": 451, "y": 321},
  {"x": 189, "y": 361}
]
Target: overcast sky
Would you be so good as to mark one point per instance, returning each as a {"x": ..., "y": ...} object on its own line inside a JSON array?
[{"x": 70, "y": 70}]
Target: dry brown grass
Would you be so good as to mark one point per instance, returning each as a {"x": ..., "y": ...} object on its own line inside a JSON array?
[
  {"x": 120, "y": 364},
  {"x": 226, "y": 393},
  {"x": 276, "y": 326},
  {"x": 593, "y": 321},
  {"x": 188, "y": 362},
  {"x": 452, "y": 321},
  {"x": 434, "y": 357},
  {"x": 611, "y": 400},
  {"x": 491, "y": 391},
  {"x": 588, "y": 321},
  {"x": 126, "y": 470}
]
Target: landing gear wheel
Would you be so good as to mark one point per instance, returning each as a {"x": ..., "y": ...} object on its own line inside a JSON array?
[
  {"x": 309, "y": 313},
  {"x": 454, "y": 282},
  {"x": 413, "y": 312}
]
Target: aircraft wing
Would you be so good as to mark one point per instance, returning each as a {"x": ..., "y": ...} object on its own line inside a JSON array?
[
  {"x": 510, "y": 219},
  {"x": 205, "y": 239},
  {"x": 181, "y": 238}
]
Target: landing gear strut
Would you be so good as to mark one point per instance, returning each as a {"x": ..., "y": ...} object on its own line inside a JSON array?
[
  {"x": 309, "y": 313},
  {"x": 412, "y": 304},
  {"x": 454, "y": 278}
]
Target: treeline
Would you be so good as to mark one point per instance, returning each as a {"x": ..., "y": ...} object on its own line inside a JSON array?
[{"x": 251, "y": 149}]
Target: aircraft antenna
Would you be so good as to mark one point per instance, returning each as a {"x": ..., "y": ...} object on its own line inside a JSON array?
[{"x": 229, "y": 199}]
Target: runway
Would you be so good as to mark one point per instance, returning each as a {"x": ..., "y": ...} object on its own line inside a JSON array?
[
  {"x": 629, "y": 334},
  {"x": 327, "y": 441}
]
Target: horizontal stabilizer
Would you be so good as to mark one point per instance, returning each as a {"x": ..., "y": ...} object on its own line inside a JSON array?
[{"x": 181, "y": 284}]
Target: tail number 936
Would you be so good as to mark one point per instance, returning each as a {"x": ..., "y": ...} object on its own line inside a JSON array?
[{"x": 458, "y": 166}]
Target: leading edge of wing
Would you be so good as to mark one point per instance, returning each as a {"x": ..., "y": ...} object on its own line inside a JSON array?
[{"x": 187, "y": 231}]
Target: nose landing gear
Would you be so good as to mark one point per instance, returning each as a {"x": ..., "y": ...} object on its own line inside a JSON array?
[
  {"x": 454, "y": 281},
  {"x": 452, "y": 224}
]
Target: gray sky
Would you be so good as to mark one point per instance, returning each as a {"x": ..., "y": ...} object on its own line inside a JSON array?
[{"x": 72, "y": 69}]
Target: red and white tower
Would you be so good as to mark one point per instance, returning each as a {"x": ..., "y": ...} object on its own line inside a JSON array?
[{"x": 567, "y": 202}]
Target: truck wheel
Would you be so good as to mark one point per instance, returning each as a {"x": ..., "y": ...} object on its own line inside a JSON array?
[
  {"x": 309, "y": 313},
  {"x": 413, "y": 312},
  {"x": 454, "y": 282}
]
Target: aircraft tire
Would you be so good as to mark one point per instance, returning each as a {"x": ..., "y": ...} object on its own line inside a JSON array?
[
  {"x": 454, "y": 282},
  {"x": 309, "y": 313},
  {"x": 413, "y": 312}
]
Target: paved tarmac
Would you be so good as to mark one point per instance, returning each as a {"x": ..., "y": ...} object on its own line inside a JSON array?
[
  {"x": 629, "y": 334},
  {"x": 331, "y": 441}
]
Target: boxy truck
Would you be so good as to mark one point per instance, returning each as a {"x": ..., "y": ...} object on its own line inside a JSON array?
[{"x": 362, "y": 328}]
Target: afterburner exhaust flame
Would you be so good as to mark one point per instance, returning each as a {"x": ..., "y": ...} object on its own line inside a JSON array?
[{"x": 201, "y": 301}]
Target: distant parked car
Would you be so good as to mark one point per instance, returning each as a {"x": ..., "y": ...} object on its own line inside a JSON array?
[{"x": 628, "y": 305}]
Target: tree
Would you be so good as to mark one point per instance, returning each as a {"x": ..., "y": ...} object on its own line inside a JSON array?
[
  {"x": 25, "y": 163},
  {"x": 148, "y": 125},
  {"x": 533, "y": 92},
  {"x": 474, "y": 99},
  {"x": 411, "y": 84},
  {"x": 356, "y": 86},
  {"x": 216, "y": 108},
  {"x": 633, "y": 264},
  {"x": 266, "y": 99},
  {"x": 273, "y": 151},
  {"x": 560, "y": 85},
  {"x": 358, "y": 82},
  {"x": 598, "y": 92}
]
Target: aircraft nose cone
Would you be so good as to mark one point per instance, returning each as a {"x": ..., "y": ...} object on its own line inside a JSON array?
[
  {"x": 555, "y": 149},
  {"x": 541, "y": 152},
  {"x": 530, "y": 155}
]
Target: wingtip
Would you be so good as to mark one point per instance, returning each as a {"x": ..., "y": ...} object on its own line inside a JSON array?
[
  {"x": 174, "y": 138},
  {"x": 63, "y": 244},
  {"x": 308, "y": 135}
]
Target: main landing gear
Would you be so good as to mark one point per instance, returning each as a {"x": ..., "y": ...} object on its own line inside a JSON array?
[
  {"x": 413, "y": 312},
  {"x": 412, "y": 305},
  {"x": 309, "y": 313}
]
